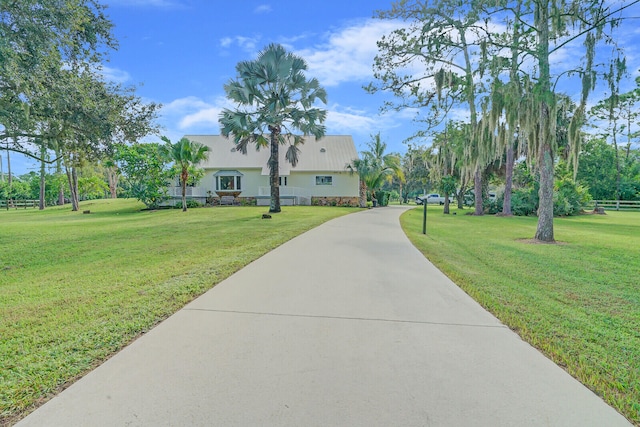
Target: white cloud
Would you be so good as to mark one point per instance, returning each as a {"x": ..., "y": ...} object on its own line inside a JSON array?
[
  {"x": 247, "y": 44},
  {"x": 263, "y": 8},
  {"x": 207, "y": 116},
  {"x": 347, "y": 54},
  {"x": 193, "y": 115},
  {"x": 115, "y": 75},
  {"x": 349, "y": 121},
  {"x": 346, "y": 123},
  {"x": 183, "y": 105},
  {"x": 459, "y": 114}
]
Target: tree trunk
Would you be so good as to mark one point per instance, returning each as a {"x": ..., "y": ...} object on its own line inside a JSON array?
[
  {"x": 274, "y": 207},
  {"x": 72, "y": 178},
  {"x": 41, "y": 204},
  {"x": 61, "y": 195},
  {"x": 477, "y": 192},
  {"x": 9, "y": 181},
  {"x": 508, "y": 180},
  {"x": 544, "y": 231},
  {"x": 61, "y": 189},
  {"x": 471, "y": 99},
  {"x": 75, "y": 199},
  {"x": 512, "y": 125},
  {"x": 112, "y": 178},
  {"x": 446, "y": 173},
  {"x": 363, "y": 194},
  {"x": 618, "y": 169},
  {"x": 183, "y": 182},
  {"x": 546, "y": 123}
]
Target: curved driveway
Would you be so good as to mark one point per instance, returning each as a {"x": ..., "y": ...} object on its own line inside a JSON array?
[{"x": 345, "y": 325}]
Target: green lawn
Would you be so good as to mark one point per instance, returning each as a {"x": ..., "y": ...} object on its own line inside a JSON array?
[
  {"x": 578, "y": 301},
  {"x": 76, "y": 288}
]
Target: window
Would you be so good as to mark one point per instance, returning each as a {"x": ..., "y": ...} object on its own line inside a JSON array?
[
  {"x": 282, "y": 181},
  {"x": 324, "y": 180},
  {"x": 228, "y": 181}
]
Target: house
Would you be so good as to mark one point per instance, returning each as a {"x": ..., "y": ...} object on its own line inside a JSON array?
[{"x": 320, "y": 177}]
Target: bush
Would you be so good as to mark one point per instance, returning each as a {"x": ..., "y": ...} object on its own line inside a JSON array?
[
  {"x": 569, "y": 197},
  {"x": 383, "y": 197},
  {"x": 19, "y": 190},
  {"x": 493, "y": 206},
  {"x": 190, "y": 204},
  {"x": 524, "y": 201},
  {"x": 145, "y": 173}
]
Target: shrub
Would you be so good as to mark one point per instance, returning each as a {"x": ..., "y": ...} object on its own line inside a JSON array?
[
  {"x": 19, "y": 190},
  {"x": 493, "y": 206},
  {"x": 383, "y": 197},
  {"x": 190, "y": 204},
  {"x": 524, "y": 201},
  {"x": 569, "y": 197}
]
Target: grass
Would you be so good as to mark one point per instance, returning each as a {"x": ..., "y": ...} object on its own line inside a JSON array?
[
  {"x": 578, "y": 301},
  {"x": 75, "y": 288}
]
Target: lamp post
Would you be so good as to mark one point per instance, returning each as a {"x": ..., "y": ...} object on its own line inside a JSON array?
[{"x": 424, "y": 217}]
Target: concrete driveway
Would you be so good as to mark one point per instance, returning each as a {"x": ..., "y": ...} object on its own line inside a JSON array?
[{"x": 345, "y": 325}]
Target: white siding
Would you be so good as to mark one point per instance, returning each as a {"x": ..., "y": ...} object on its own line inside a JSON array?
[
  {"x": 344, "y": 184},
  {"x": 252, "y": 180},
  {"x": 326, "y": 157}
]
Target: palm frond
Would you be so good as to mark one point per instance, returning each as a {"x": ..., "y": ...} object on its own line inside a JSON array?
[{"x": 293, "y": 155}]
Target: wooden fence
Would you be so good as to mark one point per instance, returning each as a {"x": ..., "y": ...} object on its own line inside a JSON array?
[
  {"x": 6, "y": 204},
  {"x": 614, "y": 205}
]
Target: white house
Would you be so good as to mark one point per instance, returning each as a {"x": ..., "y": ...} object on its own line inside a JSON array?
[{"x": 320, "y": 177}]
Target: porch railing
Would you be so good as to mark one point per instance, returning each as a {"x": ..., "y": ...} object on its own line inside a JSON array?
[{"x": 285, "y": 191}]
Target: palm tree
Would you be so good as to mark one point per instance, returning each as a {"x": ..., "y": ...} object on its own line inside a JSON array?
[
  {"x": 273, "y": 98},
  {"x": 365, "y": 170},
  {"x": 375, "y": 168},
  {"x": 186, "y": 154}
]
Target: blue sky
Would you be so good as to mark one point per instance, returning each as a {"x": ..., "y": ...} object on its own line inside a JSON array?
[{"x": 181, "y": 52}]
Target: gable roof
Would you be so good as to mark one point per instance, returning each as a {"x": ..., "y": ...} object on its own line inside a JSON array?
[{"x": 331, "y": 153}]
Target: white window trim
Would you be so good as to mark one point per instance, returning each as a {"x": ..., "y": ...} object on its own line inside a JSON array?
[
  {"x": 322, "y": 180},
  {"x": 237, "y": 179}
]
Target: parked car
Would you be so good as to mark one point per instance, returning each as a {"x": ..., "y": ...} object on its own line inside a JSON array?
[{"x": 431, "y": 198}]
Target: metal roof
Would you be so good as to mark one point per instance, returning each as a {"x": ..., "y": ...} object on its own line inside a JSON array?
[{"x": 331, "y": 153}]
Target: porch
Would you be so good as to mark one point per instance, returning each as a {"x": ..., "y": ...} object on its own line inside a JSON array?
[{"x": 289, "y": 196}]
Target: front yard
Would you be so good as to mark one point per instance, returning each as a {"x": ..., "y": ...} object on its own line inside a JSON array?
[
  {"x": 76, "y": 288},
  {"x": 577, "y": 301}
]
